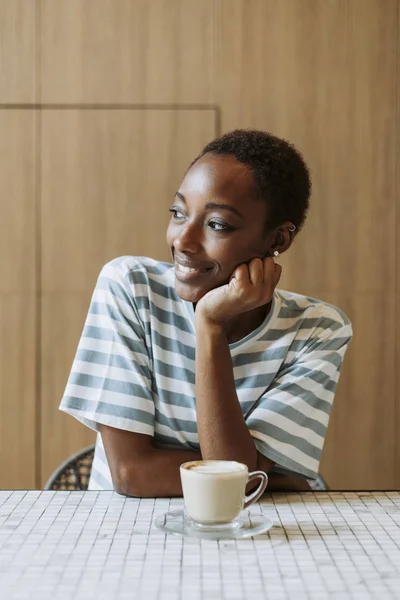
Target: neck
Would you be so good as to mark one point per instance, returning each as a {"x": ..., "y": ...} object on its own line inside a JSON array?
[{"x": 246, "y": 323}]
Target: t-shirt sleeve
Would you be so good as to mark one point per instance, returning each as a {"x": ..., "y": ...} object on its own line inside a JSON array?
[
  {"x": 110, "y": 381},
  {"x": 290, "y": 420}
]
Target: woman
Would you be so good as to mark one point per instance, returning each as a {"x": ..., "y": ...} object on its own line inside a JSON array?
[{"x": 205, "y": 358}]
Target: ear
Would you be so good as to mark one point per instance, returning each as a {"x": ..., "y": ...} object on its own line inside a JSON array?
[{"x": 283, "y": 238}]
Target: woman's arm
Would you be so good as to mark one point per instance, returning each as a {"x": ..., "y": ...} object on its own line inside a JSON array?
[
  {"x": 223, "y": 433},
  {"x": 139, "y": 468}
]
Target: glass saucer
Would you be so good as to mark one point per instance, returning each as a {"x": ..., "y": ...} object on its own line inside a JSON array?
[{"x": 246, "y": 525}]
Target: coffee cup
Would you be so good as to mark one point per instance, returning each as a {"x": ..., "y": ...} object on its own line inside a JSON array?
[{"x": 214, "y": 491}]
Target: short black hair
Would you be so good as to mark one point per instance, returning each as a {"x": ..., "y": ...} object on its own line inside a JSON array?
[{"x": 280, "y": 174}]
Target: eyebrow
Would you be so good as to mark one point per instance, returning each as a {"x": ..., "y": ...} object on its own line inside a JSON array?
[{"x": 213, "y": 205}]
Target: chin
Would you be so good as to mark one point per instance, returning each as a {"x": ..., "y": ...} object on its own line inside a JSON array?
[{"x": 189, "y": 293}]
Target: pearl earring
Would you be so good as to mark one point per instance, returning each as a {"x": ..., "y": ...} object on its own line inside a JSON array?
[{"x": 276, "y": 253}]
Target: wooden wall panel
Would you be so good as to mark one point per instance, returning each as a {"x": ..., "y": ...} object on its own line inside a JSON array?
[
  {"x": 17, "y": 201},
  {"x": 108, "y": 179},
  {"x": 63, "y": 316},
  {"x": 397, "y": 274},
  {"x": 323, "y": 75},
  {"x": 17, "y": 51},
  {"x": 17, "y": 299},
  {"x": 136, "y": 51},
  {"x": 360, "y": 445}
]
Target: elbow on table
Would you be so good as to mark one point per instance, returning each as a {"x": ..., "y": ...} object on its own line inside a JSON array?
[{"x": 128, "y": 482}]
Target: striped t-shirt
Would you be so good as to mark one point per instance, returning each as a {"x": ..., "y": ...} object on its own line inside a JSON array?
[{"x": 135, "y": 368}]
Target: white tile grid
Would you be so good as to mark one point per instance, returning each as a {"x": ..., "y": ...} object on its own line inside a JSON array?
[{"x": 85, "y": 545}]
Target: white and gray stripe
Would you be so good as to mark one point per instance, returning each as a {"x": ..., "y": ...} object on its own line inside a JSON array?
[{"x": 135, "y": 368}]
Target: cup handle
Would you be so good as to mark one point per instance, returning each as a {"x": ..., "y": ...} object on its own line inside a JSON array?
[{"x": 259, "y": 491}]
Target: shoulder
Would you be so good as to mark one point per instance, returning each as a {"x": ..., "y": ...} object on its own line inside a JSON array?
[
  {"x": 137, "y": 270},
  {"x": 140, "y": 282},
  {"x": 313, "y": 314},
  {"x": 127, "y": 265}
]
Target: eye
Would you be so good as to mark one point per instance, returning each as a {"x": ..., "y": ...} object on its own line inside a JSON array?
[
  {"x": 176, "y": 213},
  {"x": 217, "y": 226}
]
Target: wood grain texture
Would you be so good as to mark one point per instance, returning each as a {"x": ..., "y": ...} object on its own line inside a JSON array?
[
  {"x": 397, "y": 390},
  {"x": 17, "y": 299},
  {"x": 136, "y": 51},
  {"x": 108, "y": 179},
  {"x": 17, "y": 390},
  {"x": 17, "y": 201},
  {"x": 62, "y": 323},
  {"x": 359, "y": 452},
  {"x": 397, "y": 274},
  {"x": 17, "y": 51},
  {"x": 323, "y": 75}
]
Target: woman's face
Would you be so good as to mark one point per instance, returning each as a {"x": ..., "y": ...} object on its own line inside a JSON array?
[{"x": 216, "y": 225}]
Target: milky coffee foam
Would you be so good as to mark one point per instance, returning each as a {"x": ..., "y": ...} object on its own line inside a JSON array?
[{"x": 215, "y": 467}]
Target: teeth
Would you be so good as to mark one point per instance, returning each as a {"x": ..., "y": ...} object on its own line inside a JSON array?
[{"x": 185, "y": 269}]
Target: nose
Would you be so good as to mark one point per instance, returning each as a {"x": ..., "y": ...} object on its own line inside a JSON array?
[{"x": 189, "y": 238}]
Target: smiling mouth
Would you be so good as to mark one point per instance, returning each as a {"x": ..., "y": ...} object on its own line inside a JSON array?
[{"x": 186, "y": 273}]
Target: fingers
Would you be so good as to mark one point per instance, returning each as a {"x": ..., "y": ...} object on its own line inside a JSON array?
[
  {"x": 256, "y": 271},
  {"x": 240, "y": 273},
  {"x": 272, "y": 271},
  {"x": 277, "y": 274}
]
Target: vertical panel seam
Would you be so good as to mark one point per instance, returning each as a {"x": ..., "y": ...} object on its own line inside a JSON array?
[
  {"x": 38, "y": 251},
  {"x": 217, "y": 42},
  {"x": 396, "y": 462}
]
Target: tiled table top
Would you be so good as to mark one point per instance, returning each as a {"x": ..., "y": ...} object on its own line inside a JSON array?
[{"x": 84, "y": 545}]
